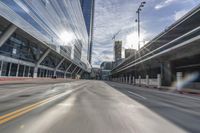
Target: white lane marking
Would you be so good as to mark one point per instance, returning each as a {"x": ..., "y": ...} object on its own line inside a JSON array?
[
  {"x": 137, "y": 95},
  {"x": 161, "y": 92}
]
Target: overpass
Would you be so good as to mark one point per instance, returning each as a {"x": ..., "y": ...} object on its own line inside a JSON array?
[{"x": 169, "y": 57}]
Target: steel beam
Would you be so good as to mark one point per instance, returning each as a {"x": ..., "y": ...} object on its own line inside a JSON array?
[
  {"x": 68, "y": 68},
  {"x": 39, "y": 61},
  {"x": 61, "y": 61},
  {"x": 78, "y": 71},
  {"x": 74, "y": 69},
  {"x": 10, "y": 30}
]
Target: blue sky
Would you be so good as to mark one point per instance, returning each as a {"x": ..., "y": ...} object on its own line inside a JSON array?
[{"x": 112, "y": 16}]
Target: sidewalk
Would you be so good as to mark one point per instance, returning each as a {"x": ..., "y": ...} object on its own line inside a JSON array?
[{"x": 15, "y": 80}]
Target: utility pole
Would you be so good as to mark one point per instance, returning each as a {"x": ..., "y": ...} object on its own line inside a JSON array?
[{"x": 138, "y": 21}]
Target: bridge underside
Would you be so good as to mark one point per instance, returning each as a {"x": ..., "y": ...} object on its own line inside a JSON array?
[{"x": 183, "y": 59}]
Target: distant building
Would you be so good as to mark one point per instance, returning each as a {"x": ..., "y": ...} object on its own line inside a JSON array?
[
  {"x": 95, "y": 73},
  {"x": 106, "y": 67},
  {"x": 118, "y": 50},
  {"x": 116, "y": 63},
  {"x": 129, "y": 52}
]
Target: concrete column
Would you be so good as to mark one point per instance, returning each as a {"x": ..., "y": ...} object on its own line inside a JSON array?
[
  {"x": 24, "y": 70},
  {"x": 9, "y": 71},
  {"x": 158, "y": 80},
  {"x": 46, "y": 74},
  {"x": 35, "y": 71},
  {"x": 29, "y": 71},
  {"x": 130, "y": 79},
  {"x": 133, "y": 80},
  {"x": 5, "y": 36},
  {"x": 147, "y": 80},
  {"x": 1, "y": 67},
  {"x": 54, "y": 72},
  {"x": 126, "y": 79},
  {"x": 139, "y": 80},
  {"x": 17, "y": 70},
  {"x": 167, "y": 73},
  {"x": 179, "y": 77}
]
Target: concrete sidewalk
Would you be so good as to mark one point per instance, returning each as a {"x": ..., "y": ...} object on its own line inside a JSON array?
[{"x": 32, "y": 80}]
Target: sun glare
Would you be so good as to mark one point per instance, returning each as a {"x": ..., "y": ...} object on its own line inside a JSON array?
[
  {"x": 66, "y": 37},
  {"x": 132, "y": 40}
]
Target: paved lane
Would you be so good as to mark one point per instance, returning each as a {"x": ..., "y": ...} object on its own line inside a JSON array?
[{"x": 94, "y": 107}]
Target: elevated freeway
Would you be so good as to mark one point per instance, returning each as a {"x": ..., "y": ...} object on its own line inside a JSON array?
[{"x": 174, "y": 52}]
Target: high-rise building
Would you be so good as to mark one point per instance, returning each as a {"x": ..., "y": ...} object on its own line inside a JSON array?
[
  {"x": 88, "y": 13},
  {"x": 37, "y": 37},
  {"x": 118, "y": 50},
  {"x": 129, "y": 52}
]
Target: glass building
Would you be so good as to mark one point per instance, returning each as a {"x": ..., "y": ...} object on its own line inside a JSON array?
[
  {"x": 88, "y": 13},
  {"x": 52, "y": 33}
]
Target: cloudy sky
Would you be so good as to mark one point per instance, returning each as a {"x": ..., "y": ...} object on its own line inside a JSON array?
[{"x": 112, "y": 16}]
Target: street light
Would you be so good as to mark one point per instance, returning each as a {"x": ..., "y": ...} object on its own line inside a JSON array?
[{"x": 138, "y": 20}]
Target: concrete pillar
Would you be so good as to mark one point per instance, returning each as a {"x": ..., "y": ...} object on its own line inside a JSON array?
[
  {"x": 158, "y": 80},
  {"x": 29, "y": 71},
  {"x": 147, "y": 80},
  {"x": 9, "y": 71},
  {"x": 9, "y": 31},
  {"x": 17, "y": 70},
  {"x": 130, "y": 79},
  {"x": 133, "y": 80},
  {"x": 167, "y": 73},
  {"x": 1, "y": 67},
  {"x": 46, "y": 74},
  {"x": 54, "y": 72},
  {"x": 126, "y": 79},
  {"x": 179, "y": 77},
  {"x": 24, "y": 70},
  {"x": 139, "y": 80},
  {"x": 35, "y": 71}
]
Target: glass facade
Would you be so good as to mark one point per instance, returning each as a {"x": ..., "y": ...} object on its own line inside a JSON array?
[
  {"x": 57, "y": 23},
  {"x": 88, "y": 13}
]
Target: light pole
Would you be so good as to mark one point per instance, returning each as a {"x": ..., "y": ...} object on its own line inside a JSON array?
[{"x": 138, "y": 21}]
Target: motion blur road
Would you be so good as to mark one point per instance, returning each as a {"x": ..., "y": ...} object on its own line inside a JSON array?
[{"x": 95, "y": 107}]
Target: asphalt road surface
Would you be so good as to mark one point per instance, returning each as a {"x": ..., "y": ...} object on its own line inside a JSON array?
[{"x": 95, "y": 107}]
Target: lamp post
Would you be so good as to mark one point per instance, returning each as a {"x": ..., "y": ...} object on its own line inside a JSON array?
[{"x": 138, "y": 21}]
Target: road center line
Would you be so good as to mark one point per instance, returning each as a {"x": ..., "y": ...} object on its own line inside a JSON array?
[{"x": 137, "y": 95}]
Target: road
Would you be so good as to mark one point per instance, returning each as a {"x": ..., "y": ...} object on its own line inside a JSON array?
[{"x": 95, "y": 107}]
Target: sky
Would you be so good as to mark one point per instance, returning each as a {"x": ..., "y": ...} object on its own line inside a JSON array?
[{"x": 113, "y": 16}]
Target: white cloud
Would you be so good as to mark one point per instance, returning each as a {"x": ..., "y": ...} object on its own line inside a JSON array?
[
  {"x": 110, "y": 17},
  {"x": 179, "y": 14},
  {"x": 164, "y": 4},
  {"x": 114, "y": 15}
]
